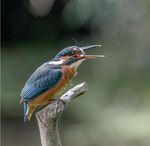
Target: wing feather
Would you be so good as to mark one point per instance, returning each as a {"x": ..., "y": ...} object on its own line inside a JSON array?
[{"x": 43, "y": 78}]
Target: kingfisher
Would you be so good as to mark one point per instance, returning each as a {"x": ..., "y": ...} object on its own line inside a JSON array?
[{"x": 50, "y": 79}]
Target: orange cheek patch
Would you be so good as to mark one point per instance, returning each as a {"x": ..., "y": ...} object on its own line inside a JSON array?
[
  {"x": 64, "y": 58},
  {"x": 75, "y": 49}
]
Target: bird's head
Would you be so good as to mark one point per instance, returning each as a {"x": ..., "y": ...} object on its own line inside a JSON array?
[{"x": 73, "y": 56}]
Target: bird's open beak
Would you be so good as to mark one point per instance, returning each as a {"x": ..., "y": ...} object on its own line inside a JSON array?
[
  {"x": 90, "y": 56},
  {"x": 90, "y": 47}
]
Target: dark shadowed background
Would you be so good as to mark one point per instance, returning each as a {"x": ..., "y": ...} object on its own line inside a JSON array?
[{"x": 116, "y": 109}]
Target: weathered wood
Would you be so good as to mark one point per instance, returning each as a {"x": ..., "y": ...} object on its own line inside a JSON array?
[{"x": 48, "y": 117}]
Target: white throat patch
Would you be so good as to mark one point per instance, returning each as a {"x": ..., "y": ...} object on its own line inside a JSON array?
[{"x": 75, "y": 65}]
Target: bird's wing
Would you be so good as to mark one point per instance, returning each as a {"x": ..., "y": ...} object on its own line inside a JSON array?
[{"x": 43, "y": 78}]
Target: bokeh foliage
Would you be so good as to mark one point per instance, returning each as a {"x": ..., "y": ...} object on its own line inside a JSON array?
[{"x": 116, "y": 109}]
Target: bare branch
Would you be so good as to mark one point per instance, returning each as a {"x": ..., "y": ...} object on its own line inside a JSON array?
[
  {"x": 74, "y": 92},
  {"x": 48, "y": 117}
]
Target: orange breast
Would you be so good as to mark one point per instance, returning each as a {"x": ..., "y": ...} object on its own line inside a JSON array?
[{"x": 67, "y": 75}]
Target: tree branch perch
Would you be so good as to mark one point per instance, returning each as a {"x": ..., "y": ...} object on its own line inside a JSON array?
[{"x": 48, "y": 116}]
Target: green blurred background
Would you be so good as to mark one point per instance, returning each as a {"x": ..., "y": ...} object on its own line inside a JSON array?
[{"x": 115, "y": 111}]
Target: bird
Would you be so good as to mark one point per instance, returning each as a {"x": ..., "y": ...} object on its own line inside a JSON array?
[{"x": 50, "y": 79}]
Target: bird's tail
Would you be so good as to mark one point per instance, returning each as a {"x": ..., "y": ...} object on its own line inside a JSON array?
[{"x": 28, "y": 111}]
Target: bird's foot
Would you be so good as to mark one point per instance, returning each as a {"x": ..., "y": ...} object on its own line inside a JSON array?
[
  {"x": 48, "y": 102},
  {"x": 51, "y": 101}
]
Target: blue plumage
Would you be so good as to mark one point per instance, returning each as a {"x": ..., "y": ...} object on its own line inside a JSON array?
[
  {"x": 25, "y": 111},
  {"x": 54, "y": 75},
  {"x": 65, "y": 52},
  {"x": 43, "y": 78}
]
